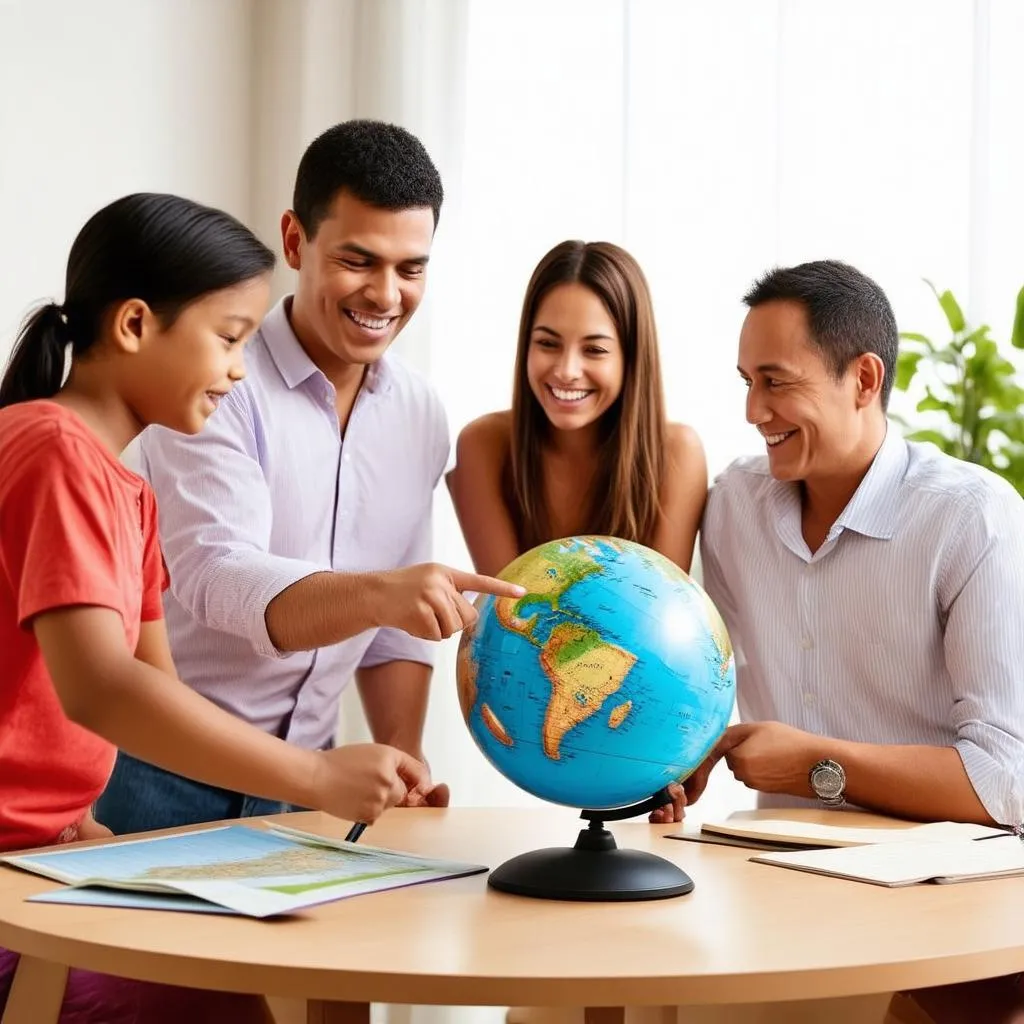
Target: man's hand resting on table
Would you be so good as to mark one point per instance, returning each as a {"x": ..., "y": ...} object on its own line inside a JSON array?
[{"x": 430, "y": 794}]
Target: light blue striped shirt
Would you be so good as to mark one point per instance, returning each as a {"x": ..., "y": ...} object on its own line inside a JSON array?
[
  {"x": 906, "y": 626},
  {"x": 267, "y": 494}
]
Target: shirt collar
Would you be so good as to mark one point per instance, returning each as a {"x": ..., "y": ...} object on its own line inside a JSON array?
[
  {"x": 294, "y": 364},
  {"x": 285, "y": 349},
  {"x": 872, "y": 511}
]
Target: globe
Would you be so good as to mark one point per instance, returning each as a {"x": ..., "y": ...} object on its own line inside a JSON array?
[{"x": 612, "y": 677}]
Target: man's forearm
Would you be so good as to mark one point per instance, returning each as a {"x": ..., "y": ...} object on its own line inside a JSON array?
[
  {"x": 920, "y": 782},
  {"x": 394, "y": 697},
  {"x": 323, "y": 609}
]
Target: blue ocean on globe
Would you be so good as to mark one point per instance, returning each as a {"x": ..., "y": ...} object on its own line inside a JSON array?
[{"x": 612, "y": 677}]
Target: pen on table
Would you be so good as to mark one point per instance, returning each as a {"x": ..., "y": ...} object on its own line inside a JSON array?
[{"x": 355, "y": 832}]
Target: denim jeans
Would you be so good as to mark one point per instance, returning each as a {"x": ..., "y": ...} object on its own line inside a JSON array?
[{"x": 141, "y": 797}]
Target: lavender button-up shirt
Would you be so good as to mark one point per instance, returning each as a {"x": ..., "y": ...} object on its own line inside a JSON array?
[
  {"x": 905, "y": 626},
  {"x": 269, "y": 493}
]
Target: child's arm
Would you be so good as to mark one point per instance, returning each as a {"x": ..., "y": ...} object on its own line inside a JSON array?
[
  {"x": 475, "y": 485},
  {"x": 153, "y": 716},
  {"x": 683, "y": 493}
]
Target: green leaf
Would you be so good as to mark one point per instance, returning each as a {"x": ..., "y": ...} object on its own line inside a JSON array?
[
  {"x": 932, "y": 404},
  {"x": 954, "y": 314},
  {"x": 906, "y": 367},
  {"x": 934, "y": 436},
  {"x": 920, "y": 339},
  {"x": 1009, "y": 423},
  {"x": 1017, "y": 334},
  {"x": 949, "y": 356}
]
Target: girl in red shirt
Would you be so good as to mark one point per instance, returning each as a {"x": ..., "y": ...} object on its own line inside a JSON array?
[{"x": 161, "y": 295}]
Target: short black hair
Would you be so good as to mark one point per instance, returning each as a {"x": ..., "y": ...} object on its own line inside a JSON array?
[
  {"x": 380, "y": 164},
  {"x": 848, "y": 313}
]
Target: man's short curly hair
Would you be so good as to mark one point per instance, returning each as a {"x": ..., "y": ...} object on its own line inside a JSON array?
[{"x": 380, "y": 164}]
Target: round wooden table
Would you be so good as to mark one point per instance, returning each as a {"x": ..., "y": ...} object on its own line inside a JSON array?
[{"x": 748, "y": 933}]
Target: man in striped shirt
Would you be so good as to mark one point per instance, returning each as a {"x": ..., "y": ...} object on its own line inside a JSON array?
[{"x": 873, "y": 587}]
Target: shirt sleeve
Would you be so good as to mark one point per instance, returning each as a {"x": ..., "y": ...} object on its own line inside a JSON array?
[
  {"x": 394, "y": 644},
  {"x": 216, "y": 517},
  {"x": 59, "y": 541},
  {"x": 154, "y": 571},
  {"x": 711, "y": 537},
  {"x": 982, "y": 594}
]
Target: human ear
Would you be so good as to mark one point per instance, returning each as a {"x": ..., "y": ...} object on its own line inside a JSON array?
[
  {"x": 293, "y": 238},
  {"x": 129, "y": 324},
  {"x": 870, "y": 375}
]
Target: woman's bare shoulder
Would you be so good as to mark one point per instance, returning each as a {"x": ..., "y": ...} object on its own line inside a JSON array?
[
  {"x": 683, "y": 442},
  {"x": 489, "y": 434}
]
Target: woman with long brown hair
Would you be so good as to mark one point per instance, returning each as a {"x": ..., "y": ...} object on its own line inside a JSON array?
[{"x": 586, "y": 447}]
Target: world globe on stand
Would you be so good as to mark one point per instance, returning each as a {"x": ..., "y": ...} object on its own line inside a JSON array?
[{"x": 612, "y": 677}]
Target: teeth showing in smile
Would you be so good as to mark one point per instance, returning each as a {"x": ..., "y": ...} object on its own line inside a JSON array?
[
  {"x": 373, "y": 323},
  {"x": 564, "y": 395},
  {"x": 773, "y": 439}
]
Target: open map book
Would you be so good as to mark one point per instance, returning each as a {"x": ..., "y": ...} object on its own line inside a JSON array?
[{"x": 229, "y": 869}]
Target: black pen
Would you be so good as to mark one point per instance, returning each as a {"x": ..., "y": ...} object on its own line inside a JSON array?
[{"x": 355, "y": 832}]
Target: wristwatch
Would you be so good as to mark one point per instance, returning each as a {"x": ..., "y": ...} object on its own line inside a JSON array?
[{"x": 828, "y": 780}]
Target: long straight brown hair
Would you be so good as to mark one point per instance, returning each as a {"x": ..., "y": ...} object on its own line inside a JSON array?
[{"x": 624, "y": 501}]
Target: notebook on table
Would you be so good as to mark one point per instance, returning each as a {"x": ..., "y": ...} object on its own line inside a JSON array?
[
  {"x": 909, "y": 863},
  {"x": 783, "y": 834}
]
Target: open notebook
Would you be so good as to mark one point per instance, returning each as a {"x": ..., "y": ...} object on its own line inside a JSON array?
[
  {"x": 895, "y": 864},
  {"x": 783, "y": 834},
  {"x": 229, "y": 869}
]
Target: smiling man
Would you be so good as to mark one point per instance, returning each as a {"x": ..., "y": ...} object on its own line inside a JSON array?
[
  {"x": 872, "y": 586},
  {"x": 297, "y": 526},
  {"x": 873, "y": 589}
]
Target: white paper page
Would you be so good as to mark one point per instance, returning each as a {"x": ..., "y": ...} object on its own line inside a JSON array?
[
  {"x": 906, "y": 863},
  {"x": 814, "y": 834}
]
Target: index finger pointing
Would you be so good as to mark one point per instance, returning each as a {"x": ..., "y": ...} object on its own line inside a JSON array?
[{"x": 486, "y": 584}]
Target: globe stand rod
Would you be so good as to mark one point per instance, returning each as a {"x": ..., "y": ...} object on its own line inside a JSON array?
[{"x": 595, "y": 869}]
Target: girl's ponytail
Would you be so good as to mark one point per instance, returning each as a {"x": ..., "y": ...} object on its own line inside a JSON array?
[{"x": 36, "y": 366}]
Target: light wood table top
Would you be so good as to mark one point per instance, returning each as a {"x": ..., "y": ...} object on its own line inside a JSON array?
[{"x": 748, "y": 933}]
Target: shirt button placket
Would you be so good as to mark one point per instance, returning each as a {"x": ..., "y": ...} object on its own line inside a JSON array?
[{"x": 808, "y": 684}]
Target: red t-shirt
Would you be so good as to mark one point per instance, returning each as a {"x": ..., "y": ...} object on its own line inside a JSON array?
[{"x": 76, "y": 528}]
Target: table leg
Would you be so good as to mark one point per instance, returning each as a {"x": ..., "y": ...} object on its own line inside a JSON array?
[
  {"x": 36, "y": 992},
  {"x": 320, "y": 1011},
  {"x": 604, "y": 1015}
]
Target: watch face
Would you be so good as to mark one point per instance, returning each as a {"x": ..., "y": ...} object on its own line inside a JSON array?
[{"x": 827, "y": 782}]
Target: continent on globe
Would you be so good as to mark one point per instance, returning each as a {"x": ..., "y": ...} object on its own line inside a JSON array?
[
  {"x": 546, "y": 579},
  {"x": 720, "y": 636},
  {"x": 584, "y": 671},
  {"x": 465, "y": 673},
  {"x": 491, "y": 720},
  {"x": 619, "y": 714}
]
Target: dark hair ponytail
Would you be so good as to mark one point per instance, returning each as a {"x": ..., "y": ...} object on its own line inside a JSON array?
[
  {"x": 162, "y": 249},
  {"x": 36, "y": 368}
]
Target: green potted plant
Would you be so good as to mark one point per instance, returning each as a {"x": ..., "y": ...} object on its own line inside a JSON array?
[{"x": 972, "y": 390}]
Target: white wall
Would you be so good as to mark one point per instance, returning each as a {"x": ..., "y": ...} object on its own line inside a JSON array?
[{"x": 104, "y": 98}]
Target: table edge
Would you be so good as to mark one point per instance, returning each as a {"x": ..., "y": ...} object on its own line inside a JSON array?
[{"x": 479, "y": 990}]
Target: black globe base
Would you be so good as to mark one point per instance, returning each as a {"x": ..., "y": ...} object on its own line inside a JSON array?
[{"x": 593, "y": 870}]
